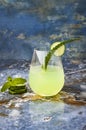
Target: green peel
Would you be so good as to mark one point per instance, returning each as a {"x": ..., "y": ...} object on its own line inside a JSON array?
[{"x": 51, "y": 52}]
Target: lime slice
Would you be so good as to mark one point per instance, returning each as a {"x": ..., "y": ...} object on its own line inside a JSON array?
[
  {"x": 60, "y": 51},
  {"x": 19, "y": 86},
  {"x": 20, "y": 91}
]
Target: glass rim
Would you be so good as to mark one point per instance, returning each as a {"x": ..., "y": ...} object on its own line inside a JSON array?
[{"x": 46, "y": 51}]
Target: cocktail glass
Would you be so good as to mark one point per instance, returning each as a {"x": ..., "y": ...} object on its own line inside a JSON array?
[{"x": 47, "y": 82}]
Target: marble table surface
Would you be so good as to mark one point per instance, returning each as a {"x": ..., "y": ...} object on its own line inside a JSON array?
[{"x": 65, "y": 111}]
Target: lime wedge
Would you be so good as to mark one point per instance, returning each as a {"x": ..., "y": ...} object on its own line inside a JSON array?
[{"x": 60, "y": 51}]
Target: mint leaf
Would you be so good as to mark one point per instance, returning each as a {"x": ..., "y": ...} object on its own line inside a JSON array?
[
  {"x": 17, "y": 81},
  {"x": 9, "y": 78},
  {"x": 51, "y": 52},
  {"x": 5, "y": 86},
  {"x": 14, "y": 83}
]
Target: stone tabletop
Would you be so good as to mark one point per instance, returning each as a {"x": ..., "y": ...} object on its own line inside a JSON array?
[{"x": 65, "y": 111}]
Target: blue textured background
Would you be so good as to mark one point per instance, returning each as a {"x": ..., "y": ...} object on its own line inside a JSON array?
[{"x": 29, "y": 24}]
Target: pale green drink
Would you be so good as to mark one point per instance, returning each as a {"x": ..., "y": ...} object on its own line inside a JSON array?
[{"x": 46, "y": 82}]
